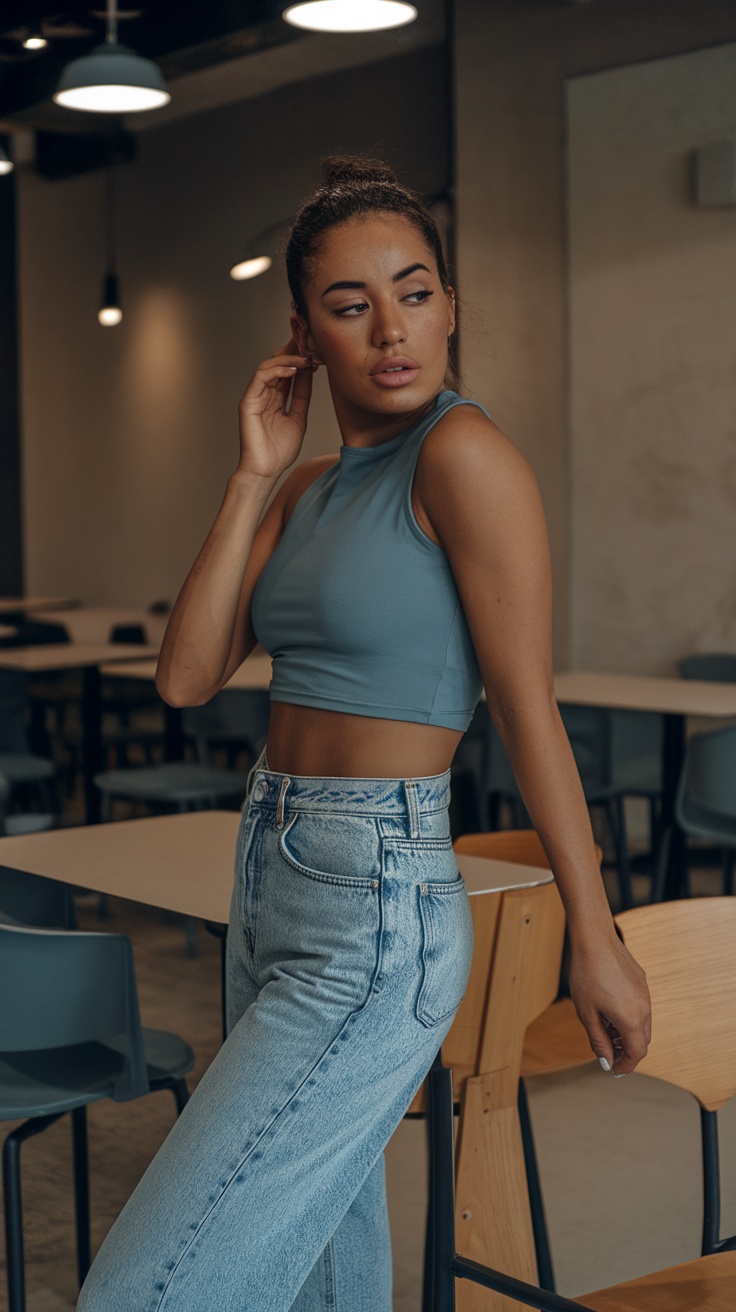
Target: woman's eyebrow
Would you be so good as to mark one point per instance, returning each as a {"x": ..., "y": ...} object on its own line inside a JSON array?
[{"x": 351, "y": 286}]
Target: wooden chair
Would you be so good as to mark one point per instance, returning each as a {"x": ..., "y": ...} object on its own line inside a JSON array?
[
  {"x": 554, "y": 1041},
  {"x": 686, "y": 949},
  {"x": 514, "y": 977}
]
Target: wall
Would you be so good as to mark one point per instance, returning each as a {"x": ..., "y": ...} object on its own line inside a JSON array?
[
  {"x": 131, "y": 432},
  {"x": 652, "y": 353},
  {"x": 511, "y": 60}
]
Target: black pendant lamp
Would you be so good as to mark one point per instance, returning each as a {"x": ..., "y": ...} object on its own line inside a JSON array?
[{"x": 110, "y": 312}]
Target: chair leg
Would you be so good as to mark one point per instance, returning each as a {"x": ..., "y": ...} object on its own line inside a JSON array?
[
  {"x": 191, "y": 931},
  {"x": 729, "y": 871},
  {"x": 536, "y": 1202},
  {"x": 660, "y": 870},
  {"x": 616, "y": 817},
  {"x": 13, "y": 1206},
  {"x": 81, "y": 1191},
  {"x": 181, "y": 1095},
  {"x": 442, "y": 1185}
]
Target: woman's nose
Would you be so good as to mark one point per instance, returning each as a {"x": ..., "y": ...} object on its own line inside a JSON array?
[{"x": 388, "y": 329}]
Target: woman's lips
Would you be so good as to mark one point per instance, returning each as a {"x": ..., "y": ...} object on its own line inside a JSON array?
[{"x": 394, "y": 377}]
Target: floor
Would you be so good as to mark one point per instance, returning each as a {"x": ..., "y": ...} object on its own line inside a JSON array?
[{"x": 619, "y": 1160}]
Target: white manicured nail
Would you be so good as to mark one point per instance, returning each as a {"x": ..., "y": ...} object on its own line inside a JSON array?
[{"x": 604, "y": 1063}]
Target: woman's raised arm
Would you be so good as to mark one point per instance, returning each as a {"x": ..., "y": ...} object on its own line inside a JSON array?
[{"x": 208, "y": 633}]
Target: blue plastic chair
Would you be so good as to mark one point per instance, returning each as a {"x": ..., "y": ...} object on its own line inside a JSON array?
[
  {"x": 34, "y": 900},
  {"x": 706, "y": 801},
  {"x": 70, "y": 1034},
  {"x": 716, "y": 666},
  {"x": 18, "y": 763}
]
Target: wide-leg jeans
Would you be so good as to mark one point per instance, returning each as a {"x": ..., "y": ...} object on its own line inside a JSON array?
[{"x": 348, "y": 953}]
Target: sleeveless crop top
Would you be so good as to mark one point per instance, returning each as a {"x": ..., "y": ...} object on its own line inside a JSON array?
[{"x": 357, "y": 606}]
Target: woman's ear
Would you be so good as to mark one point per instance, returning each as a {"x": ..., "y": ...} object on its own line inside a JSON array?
[
  {"x": 299, "y": 332},
  {"x": 303, "y": 338},
  {"x": 451, "y": 325}
]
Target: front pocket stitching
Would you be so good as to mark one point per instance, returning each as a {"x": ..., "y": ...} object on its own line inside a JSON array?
[{"x": 319, "y": 876}]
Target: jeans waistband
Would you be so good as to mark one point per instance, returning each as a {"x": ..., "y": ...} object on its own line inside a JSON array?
[{"x": 399, "y": 796}]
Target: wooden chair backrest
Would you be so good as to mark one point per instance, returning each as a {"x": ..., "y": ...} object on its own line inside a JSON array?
[
  {"x": 688, "y": 951},
  {"x": 515, "y": 972}
]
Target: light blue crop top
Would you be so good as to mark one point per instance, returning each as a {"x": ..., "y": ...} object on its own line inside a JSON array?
[{"x": 357, "y": 606}]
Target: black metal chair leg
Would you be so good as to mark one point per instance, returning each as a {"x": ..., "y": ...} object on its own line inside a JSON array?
[
  {"x": 442, "y": 1173},
  {"x": 220, "y": 931},
  {"x": 81, "y": 1191},
  {"x": 536, "y": 1202},
  {"x": 181, "y": 1095},
  {"x": 616, "y": 817},
  {"x": 14, "y": 1209}
]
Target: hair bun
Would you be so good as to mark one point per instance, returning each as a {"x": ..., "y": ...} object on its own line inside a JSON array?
[{"x": 355, "y": 168}]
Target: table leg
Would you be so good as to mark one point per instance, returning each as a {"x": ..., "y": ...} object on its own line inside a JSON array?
[
  {"x": 675, "y": 885},
  {"x": 92, "y": 741},
  {"x": 173, "y": 734}
]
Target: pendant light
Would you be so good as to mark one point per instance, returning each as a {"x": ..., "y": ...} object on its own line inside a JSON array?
[
  {"x": 350, "y": 15},
  {"x": 110, "y": 312},
  {"x": 112, "y": 79},
  {"x": 6, "y": 163},
  {"x": 257, "y": 259},
  {"x": 34, "y": 38}
]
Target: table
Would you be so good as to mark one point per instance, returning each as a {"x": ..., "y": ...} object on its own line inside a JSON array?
[
  {"x": 675, "y": 699},
  {"x": 88, "y": 657},
  {"x": 185, "y": 862},
  {"x": 21, "y": 605},
  {"x": 95, "y": 623}
]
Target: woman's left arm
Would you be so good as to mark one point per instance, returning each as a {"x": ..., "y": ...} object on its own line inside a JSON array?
[{"x": 483, "y": 501}]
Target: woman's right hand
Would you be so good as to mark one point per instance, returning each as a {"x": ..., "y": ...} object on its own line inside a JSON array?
[{"x": 270, "y": 439}]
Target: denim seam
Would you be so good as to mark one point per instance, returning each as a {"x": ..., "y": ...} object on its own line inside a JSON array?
[
  {"x": 378, "y": 814},
  {"x": 315, "y": 1067}
]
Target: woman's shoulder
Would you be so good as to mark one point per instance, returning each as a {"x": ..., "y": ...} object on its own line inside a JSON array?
[{"x": 465, "y": 440}]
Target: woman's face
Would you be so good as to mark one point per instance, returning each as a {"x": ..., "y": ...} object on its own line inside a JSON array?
[{"x": 378, "y": 316}]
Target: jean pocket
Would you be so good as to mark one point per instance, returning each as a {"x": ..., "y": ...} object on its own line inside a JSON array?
[
  {"x": 343, "y": 850},
  {"x": 447, "y": 949}
]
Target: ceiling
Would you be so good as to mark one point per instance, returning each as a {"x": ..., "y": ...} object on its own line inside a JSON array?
[{"x": 210, "y": 53}]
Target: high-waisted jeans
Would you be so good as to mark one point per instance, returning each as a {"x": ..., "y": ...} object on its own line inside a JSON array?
[{"x": 348, "y": 954}]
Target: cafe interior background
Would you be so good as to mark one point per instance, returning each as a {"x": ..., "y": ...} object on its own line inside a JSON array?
[{"x": 560, "y": 143}]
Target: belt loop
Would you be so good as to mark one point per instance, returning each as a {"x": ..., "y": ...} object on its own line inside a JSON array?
[
  {"x": 248, "y": 783},
  {"x": 410, "y": 789},
  {"x": 280, "y": 808}
]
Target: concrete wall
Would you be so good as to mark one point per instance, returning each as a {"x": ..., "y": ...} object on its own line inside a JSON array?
[
  {"x": 653, "y": 366},
  {"x": 512, "y": 62},
  {"x": 131, "y": 432}
]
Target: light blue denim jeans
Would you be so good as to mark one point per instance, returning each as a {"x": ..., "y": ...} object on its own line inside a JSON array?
[{"x": 348, "y": 954}]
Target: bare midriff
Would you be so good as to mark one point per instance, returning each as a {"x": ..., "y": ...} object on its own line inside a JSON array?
[{"x": 311, "y": 741}]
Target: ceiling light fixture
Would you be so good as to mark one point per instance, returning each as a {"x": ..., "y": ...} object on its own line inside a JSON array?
[
  {"x": 34, "y": 39},
  {"x": 110, "y": 311},
  {"x": 350, "y": 15},
  {"x": 257, "y": 260},
  {"x": 6, "y": 163},
  {"x": 112, "y": 78}
]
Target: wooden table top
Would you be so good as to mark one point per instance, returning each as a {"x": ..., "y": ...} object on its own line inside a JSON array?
[
  {"x": 70, "y": 655},
  {"x": 10, "y": 604},
  {"x": 581, "y": 687},
  {"x": 255, "y": 672},
  {"x": 647, "y": 693},
  {"x": 183, "y": 862},
  {"x": 95, "y": 623}
]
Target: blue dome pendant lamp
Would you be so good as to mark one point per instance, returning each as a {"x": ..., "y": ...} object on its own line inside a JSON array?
[{"x": 112, "y": 78}]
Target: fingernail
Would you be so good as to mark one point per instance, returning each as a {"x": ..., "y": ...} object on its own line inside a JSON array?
[
  {"x": 604, "y": 1063},
  {"x": 619, "y": 1075}
]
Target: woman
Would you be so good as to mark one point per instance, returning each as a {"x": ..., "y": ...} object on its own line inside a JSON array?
[{"x": 390, "y": 583}]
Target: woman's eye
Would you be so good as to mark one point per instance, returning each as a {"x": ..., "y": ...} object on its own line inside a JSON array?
[
  {"x": 349, "y": 308},
  {"x": 423, "y": 294}
]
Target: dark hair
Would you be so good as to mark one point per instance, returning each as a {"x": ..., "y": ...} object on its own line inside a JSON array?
[{"x": 354, "y": 186}]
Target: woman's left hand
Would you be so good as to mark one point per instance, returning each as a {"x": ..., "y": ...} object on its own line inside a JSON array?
[{"x": 609, "y": 991}]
